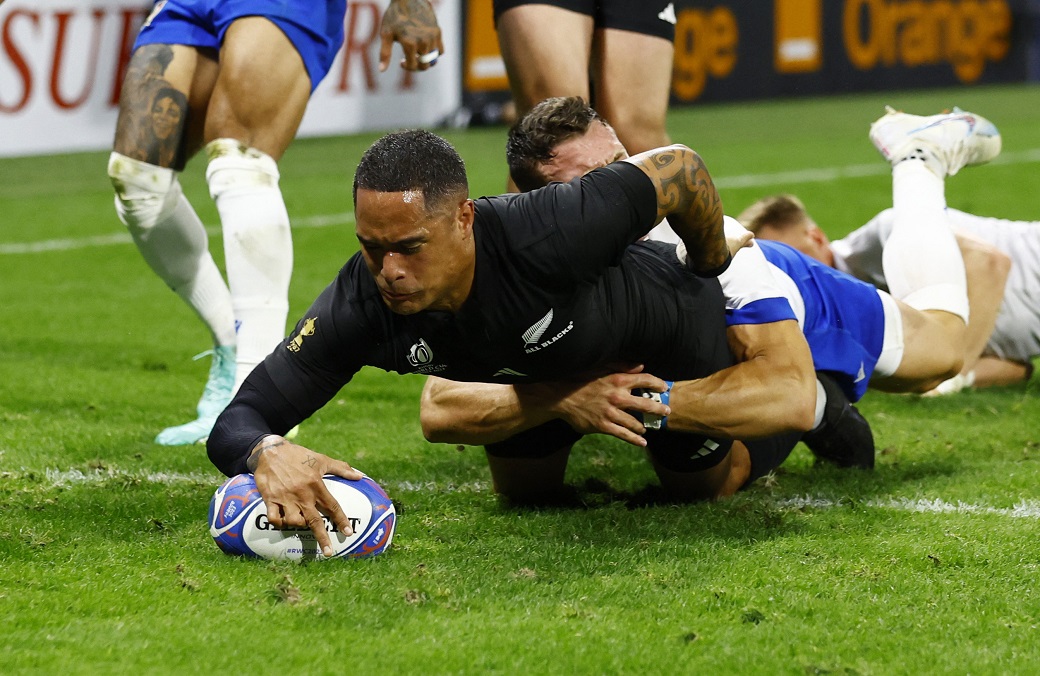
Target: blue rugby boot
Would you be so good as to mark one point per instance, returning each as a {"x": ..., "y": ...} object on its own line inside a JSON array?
[{"x": 215, "y": 398}]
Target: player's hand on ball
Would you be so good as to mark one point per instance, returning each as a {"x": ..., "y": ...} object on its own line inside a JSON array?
[{"x": 289, "y": 478}]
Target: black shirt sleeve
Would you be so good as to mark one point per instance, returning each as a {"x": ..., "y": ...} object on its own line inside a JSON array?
[
  {"x": 250, "y": 417},
  {"x": 570, "y": 232},
  {"x": 328, "y": 346}
]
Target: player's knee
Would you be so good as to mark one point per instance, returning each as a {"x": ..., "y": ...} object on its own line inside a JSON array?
[
  {"x": 947, "y": 362},
  {"x": 145, "y": 193},
  {"x": 235, "y": 167},
  {"x": 953, "y": 364}
]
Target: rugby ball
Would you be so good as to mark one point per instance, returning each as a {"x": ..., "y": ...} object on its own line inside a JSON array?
[{"x": 239, "y": 525}]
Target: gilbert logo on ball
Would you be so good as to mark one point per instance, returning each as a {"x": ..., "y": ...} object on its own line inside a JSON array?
[{"x": 239, "y": 525}]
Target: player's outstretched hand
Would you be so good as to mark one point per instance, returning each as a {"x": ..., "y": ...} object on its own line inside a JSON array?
[
  {"x": 290, "y": 481},
  {"x": 606, "y": 404},
  {"x": 412, "y": 23}
]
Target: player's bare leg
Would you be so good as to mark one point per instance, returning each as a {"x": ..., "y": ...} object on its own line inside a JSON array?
[
  {"x": 162, "y": 109},
  {"x": 992, "y": 371},
  {"x": 633, "y": 92},
  {"x": 529, "y": 480},
  {"x": 546, "y": 51},
  {"x": 921, "y": 259},
  {"x": 933, "y": 350},
  {"x": 715, "y": 482},
  {"x": 262, "y": 89}
]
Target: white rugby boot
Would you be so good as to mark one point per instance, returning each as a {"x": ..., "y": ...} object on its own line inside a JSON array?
[
  {"x": 946, "y": 142},
  {"x": 215, "y": 398}
]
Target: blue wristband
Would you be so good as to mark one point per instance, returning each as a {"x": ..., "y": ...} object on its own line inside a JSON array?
[{"x": 654, "y": 422}]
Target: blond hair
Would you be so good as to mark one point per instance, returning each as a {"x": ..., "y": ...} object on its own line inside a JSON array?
[{"x": 776, "y": 211}]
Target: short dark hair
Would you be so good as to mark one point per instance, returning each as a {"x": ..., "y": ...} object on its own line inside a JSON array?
[
  {"x": 777, "y": 211},
  {"x": 534, "y": 138},
  {"x": 413, "y": 159}
]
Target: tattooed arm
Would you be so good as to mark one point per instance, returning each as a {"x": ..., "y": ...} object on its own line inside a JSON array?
[
  {"x": 413, "y": 24},
  {"x": 687, "y": 197}
]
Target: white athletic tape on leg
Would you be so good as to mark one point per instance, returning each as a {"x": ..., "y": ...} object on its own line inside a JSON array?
[
  {"x": 235, "y": 166},
  {"x": 142, "y": 191}
]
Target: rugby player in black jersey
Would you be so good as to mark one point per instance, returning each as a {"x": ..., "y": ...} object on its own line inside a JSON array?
[{"x": 522, "y": 289}]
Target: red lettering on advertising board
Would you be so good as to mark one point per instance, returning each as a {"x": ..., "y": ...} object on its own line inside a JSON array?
[
  {"x": 360, "y": 44},
  {"x": 364, "y": 45},
  {"x": 17, "y": 60},
  {"x": 67, "y": 54},
  {"x": 62, "y": 19}
]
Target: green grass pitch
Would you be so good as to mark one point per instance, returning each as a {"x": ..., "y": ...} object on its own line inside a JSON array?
[{"x": 927, "y": 565}]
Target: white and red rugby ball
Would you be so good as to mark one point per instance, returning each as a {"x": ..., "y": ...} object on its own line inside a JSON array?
[{"x": 238, "y": 522}]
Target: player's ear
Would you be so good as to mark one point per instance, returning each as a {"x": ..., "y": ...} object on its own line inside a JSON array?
[
  {"x": 817, "y": 235},
  {"x": 465, "y": 214}
]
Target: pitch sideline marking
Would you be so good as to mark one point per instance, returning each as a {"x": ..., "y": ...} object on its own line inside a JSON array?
[
  {"x": 72, "y": 243},
  {"x": 801, "y": 176},
  {"x": 1025, "y": 509}
]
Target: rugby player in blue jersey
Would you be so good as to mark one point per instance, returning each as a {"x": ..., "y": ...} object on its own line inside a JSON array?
[
  {"x": 857, "y": 335},
  {"x": 232, "y": 77}
]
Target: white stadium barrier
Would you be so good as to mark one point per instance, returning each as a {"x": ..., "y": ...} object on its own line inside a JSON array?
[{"x": 61, "y": 66}]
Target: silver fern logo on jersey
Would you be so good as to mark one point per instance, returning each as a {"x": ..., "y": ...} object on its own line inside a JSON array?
[{"x": 533, "y": 336}]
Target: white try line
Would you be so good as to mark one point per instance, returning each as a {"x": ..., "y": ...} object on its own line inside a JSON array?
[
  {"x": 1026, "y": 509},
  {"x": 63, "y": 478},
  {"x": 785, "y": 178}
]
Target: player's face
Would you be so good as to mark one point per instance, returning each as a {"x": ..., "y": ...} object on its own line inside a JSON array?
[
  {"x": 420, "y": 260},
  {"x": 577, "y": 156},
  {"x": 166, "y": 116}
]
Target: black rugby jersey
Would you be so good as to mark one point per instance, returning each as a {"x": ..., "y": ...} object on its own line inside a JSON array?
[{"x": 559, "y": 289}]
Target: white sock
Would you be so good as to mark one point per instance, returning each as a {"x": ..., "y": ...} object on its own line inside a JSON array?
[
  {"x": 172, "y": 240},
  {"x": 921, "y": 259},
  {"x": 821, "y": 405},
  {"x": 257, "y": 246}
]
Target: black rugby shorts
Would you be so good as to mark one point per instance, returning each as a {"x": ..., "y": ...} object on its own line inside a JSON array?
[{"x": 638, "y": 16}]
